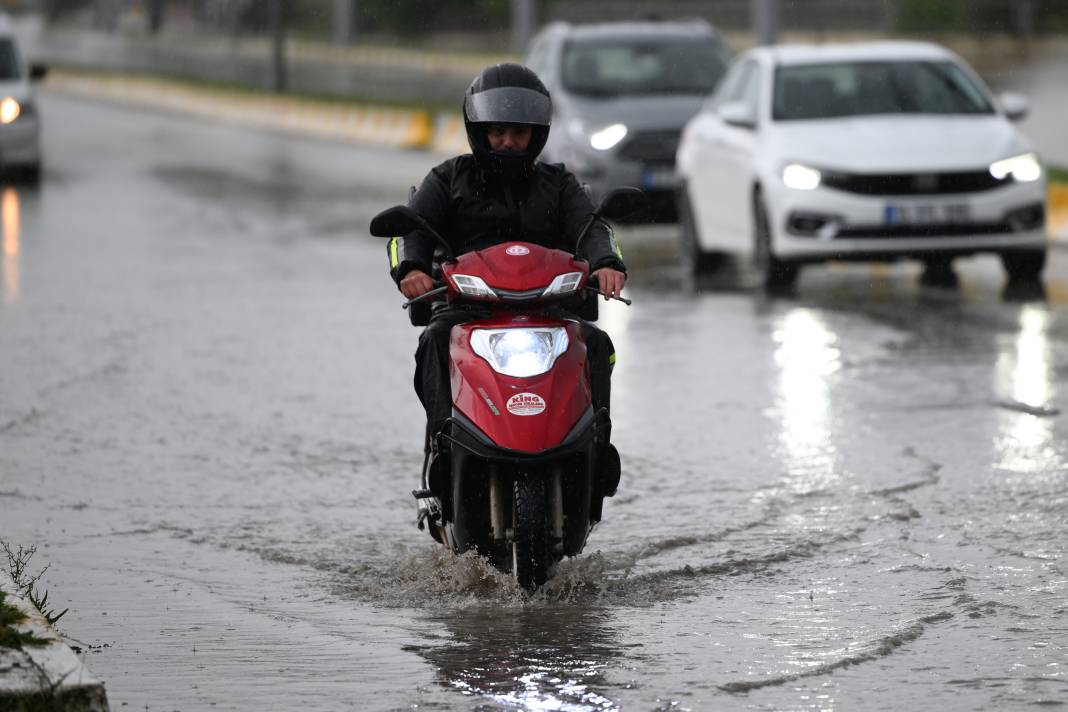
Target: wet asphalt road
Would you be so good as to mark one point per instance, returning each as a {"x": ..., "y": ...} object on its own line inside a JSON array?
[{"x": 850, "y": 498}]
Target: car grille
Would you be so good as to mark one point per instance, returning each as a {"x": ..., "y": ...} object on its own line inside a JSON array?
[
  {"x": 893, "y": 231},
  {"x": 809, "y": 224},
  {"x": 652, "y": 147},
  {"x": 913, "y": 183}
]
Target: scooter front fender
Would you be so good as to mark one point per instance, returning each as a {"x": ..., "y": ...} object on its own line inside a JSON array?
[{"x": 528, "y": 415}]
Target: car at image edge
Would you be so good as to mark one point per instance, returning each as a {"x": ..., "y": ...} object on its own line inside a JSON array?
[
  {"x": 867, "y": 151},
  {"x": 622, "y": 91},
  {"x": 20, "y": 144}
]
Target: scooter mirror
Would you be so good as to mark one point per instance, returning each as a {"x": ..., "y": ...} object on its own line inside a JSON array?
[
  {"x": 621, "y": 202},
  {"x": 401, "y": 220},
  {"x": 395, "y": 221}
]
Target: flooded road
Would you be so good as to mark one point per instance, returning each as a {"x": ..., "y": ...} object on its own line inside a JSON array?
[{"x": 849, "y": 498}]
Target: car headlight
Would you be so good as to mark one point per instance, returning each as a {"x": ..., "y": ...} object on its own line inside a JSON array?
[
  {"x": 9, "y": 110},
  {"x": 473, "y": 286},
  {"x": 800, "y": 177},
  {"x": 607, "y": 137},
  {"x": 563, "y": 284},
  {"x": 520, "y": 352},
  {"x": 1024, "y": 168}
]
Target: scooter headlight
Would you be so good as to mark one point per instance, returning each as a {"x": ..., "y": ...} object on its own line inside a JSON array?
[
  {"x": 520, "y": 352},
  {"x": 473, "y": 286}
]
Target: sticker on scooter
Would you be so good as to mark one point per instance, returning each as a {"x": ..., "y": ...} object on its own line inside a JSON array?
[
  {"x": 518, "y": 250},
  {"x": 526, "y": 404}
]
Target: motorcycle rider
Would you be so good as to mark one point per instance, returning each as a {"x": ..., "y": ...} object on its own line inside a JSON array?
[{"x": 500, "y": 193}]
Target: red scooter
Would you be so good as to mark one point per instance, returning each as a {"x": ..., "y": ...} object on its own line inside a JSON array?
[{"x": 524, "y": 463}]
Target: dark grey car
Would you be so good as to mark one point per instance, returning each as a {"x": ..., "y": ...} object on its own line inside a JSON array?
[{"x": 621, "y": 94}]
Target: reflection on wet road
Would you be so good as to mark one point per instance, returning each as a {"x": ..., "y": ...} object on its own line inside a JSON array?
[
  {"x": 806, "y": 357},
  {"x": 9, "y": 223},
  {"x": 527, "y": 658},
  {"x": 850, "y": 497}
]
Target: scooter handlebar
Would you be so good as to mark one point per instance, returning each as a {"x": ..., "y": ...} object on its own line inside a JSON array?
[{"x": 426, "y": 295}]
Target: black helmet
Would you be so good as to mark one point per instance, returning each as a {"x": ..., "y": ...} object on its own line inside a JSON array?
[{"x": 507, "y": 94}]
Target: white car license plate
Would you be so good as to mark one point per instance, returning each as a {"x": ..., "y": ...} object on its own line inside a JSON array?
[
  {"x": 659, "y": 178},
  {"x": 927, "y": 213}
]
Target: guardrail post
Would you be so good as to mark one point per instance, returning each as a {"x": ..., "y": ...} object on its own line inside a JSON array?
[
  {"x": 344, "y": 21},
  {"x": 764, "y": 15},
  {"x": 524, "y": 17}
]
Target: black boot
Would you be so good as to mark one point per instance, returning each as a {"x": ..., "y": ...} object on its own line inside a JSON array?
[{"x": 609, "y": 470}]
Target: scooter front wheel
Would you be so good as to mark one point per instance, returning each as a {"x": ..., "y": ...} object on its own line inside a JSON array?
[{"x": 530, "y": 537}]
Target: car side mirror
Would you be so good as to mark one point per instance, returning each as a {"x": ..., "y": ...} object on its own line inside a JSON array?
[
  {"x": 38, "y": 71},
  {"x": 1016, "y": 106},
  {"x": 398, "y": 220},
  {"x": 621, "y": 202},
  {"x": 738, "y": 113}
]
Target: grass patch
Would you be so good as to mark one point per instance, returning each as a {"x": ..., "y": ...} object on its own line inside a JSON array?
[
  {"x": 18, "y": 561},
  {"x": 10, "y": 636},
  {"x": 1056, "y": 174}
]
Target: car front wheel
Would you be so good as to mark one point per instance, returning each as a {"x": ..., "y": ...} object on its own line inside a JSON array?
[
  {"x": 774, "y": 273},
  {"x": 1024, "y": 265}
]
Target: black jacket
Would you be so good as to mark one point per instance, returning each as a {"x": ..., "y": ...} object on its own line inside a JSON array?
[{"x": 473, "y": 211}]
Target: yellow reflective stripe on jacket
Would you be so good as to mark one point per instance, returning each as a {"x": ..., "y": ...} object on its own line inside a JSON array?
[
  {"x": 612, "y": 358},
  {"x": 393, "y": 261},
  {"x": 616, "y": 247}
]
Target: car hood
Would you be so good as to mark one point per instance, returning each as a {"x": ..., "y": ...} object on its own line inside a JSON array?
[
  {"x": 899, "y": 144},
  {"x": 643, "y": 112}
]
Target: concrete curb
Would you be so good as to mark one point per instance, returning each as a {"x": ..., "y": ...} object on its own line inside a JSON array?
[
  {"x": 450, "y": 136},
  {"x": 396, "y": 128},
  {"x": 48, "y": 676}
]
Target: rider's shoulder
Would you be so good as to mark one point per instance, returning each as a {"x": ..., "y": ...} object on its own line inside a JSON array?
[
  {"x": 450, "y": 166},
  {"x": 463, "y": 167},
  {"x": 557, "y": 172},
  {"x": 551, "y": 168}
]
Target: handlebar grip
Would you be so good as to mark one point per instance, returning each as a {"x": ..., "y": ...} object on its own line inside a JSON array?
[
  {"x": 597, "y": 292},
  {"x": 427, "y": 295}
]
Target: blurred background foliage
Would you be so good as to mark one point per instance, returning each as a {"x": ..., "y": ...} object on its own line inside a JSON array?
[
  {"x": 983, "y": 16},
  {"x": 419, "y": 18}
]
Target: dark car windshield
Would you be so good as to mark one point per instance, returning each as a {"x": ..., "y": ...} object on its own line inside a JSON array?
[
  {"x": 661, "y": 65},
  {"x": 9, "y": 66},
  {"x": 827, "y": 91}
]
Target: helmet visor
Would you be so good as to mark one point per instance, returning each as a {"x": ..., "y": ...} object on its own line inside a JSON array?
[{"x": 509, "y": 105}]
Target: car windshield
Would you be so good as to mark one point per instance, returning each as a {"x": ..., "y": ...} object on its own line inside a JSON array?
[
  {"x": 9, "y": 66},
  {"x": 675, "y": 65},
  {"x": 828, "y": 91}
]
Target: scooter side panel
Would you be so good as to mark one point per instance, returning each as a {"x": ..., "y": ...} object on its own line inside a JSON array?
[{"x": 525, "y": 414}]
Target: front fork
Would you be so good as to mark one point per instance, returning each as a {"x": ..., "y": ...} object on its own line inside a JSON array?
[{"x": 500, "y": 503}]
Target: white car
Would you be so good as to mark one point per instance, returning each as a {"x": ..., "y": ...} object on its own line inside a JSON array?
[
  {"x": 867, "y": 151},
  {"x": 20, "y": 143}
]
